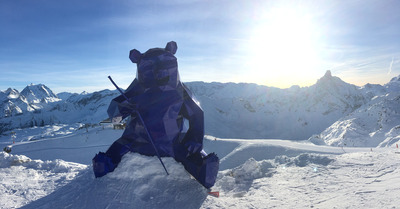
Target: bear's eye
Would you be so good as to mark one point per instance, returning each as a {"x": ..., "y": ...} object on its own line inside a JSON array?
[
  {"x": 146, "y": 63},
  {"x": 166, "y": 57},
  {"x": 169, "y": 63}
]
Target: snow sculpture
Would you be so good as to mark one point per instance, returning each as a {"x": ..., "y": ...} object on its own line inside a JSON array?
[{"x": 166, "y": 119}]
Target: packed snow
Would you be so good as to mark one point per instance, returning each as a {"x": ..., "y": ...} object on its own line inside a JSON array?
[
  {"x": 23, "y": 180},
  {"x": 56, "y": 172}
]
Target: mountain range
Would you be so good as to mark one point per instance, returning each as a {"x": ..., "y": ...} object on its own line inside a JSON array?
[{"x": 329, "y": 112}]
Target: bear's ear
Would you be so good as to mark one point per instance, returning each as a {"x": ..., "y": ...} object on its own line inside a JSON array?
[
  {"x": 135, "y": 56},
  {"x": 171, "y": 47}
]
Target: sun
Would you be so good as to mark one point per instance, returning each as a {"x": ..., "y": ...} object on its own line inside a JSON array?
[{"x": 283, "y": 49}]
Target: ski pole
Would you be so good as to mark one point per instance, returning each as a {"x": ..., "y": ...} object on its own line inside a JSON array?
[
  {"x": 144, "y": 125},
  {"x": 120, "y": 91}
]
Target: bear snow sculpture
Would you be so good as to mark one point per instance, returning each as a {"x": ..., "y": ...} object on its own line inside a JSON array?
[{"x": 165, "y": 118}]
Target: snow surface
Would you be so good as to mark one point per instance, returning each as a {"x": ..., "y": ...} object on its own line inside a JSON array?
[
  {"x": 256, "y": 173},
  {"x": 23, "y": 180}
]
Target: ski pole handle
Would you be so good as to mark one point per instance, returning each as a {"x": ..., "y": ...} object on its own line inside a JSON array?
[{"x": 120, "y": 91}]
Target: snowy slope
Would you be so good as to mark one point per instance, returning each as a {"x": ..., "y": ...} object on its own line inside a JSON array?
[
  {"x": 354, "y": 180},
  {"x": 376, "y": 123},
  {"x": 253, "y": 174},
  {"x": 75, "y": 144}
]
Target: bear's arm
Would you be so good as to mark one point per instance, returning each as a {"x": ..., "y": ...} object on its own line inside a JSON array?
[
  {"x": 193, "y": 139},
  {"x": 120, "y": 107}
]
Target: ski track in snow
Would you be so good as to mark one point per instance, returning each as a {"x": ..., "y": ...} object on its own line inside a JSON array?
[{"x": 253, "y": 174}]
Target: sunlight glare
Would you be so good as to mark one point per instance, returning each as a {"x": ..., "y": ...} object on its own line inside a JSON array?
[{"x": 282, "y": 49}]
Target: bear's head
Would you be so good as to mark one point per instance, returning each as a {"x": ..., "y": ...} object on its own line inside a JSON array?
[{"x": 157, "y": 67}]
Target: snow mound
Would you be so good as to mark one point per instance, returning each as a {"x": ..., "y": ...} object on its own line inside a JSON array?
[
  {"x": 8, "y": 160},
  {"x": 55, "y": 166},
  {"x": 23, "y": 180},
  {"x": 304, "y": 159},
  {"x": 138, "y": 182},
  {"x": 238, "y": 181}
]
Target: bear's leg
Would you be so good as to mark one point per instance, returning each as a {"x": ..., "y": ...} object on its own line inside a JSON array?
[
  {"x": 104, "y": 163},
  {"x": 118, "y": 149},
  {"x": 203, "y": 168}
]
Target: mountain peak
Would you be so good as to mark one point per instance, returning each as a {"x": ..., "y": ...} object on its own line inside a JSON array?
[
  {"x": 394, "y": 84},
  {"x": 37, "y": 93},
  {"x": 328, "y": 79},
  {"x": 328, "y": 74},
  {"x": 395, "y": 79},
  {"x": 9, "y": 94}
]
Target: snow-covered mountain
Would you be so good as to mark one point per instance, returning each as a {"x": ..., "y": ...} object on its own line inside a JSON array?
[
  {"x": 37, "y": 105},
  {"x": 85, "y": 107},
  {"x": 9, "y": 100},
  {"x": 32, "y": 98},
  {"x": 231, "y": 110},
  {"x": 253, "y": 111},
  {"x": 38, "y": 94},
  {"x": 376, "y": 123}
]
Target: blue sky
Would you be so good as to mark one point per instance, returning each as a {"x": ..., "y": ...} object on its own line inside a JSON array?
[{"x": 74, "y": 45}]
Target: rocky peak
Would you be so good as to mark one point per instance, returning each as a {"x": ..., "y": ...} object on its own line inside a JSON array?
[{"x": 39, "y": 93}]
